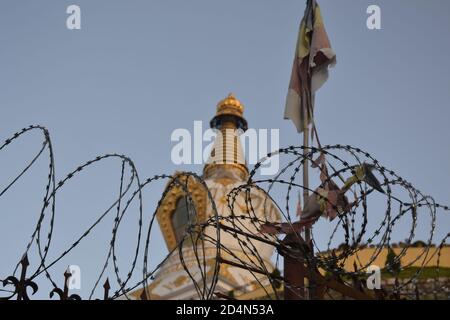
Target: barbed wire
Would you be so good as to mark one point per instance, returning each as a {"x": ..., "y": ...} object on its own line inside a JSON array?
[{"x": 245, "y": 225}]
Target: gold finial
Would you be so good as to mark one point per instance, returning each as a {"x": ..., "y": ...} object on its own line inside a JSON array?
[
  {"x": 230, "y": 155},
  {"x": 230, "y": 105}
]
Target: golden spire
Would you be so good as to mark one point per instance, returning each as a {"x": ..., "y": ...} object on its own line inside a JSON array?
[
  {"x": 227, "y": 156},
  {"x": 229, "y": 111},
  {"x": 230, "y": 106}
]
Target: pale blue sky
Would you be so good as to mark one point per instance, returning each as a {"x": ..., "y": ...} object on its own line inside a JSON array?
[{"x": 140, "y": 69}]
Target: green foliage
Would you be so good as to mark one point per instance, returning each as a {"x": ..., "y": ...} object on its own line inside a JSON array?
[
  {"x": 393, "y": 264},
  {"x": 426, "y": 273},
  {"x": 419, "y": 244}
]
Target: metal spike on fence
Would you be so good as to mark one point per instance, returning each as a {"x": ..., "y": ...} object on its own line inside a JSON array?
[
  {"x": 20, "y": 286},
  {"x": 64, "y": 294},
  {"x": 106, "y": 286}
]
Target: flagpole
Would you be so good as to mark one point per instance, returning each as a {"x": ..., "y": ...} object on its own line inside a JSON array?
[
  {"x": 306, "y": 180},
  {"x": 307, "y": 115},
  {"x": 299, "y": 106},
  {"x": 305, "y": 167}
]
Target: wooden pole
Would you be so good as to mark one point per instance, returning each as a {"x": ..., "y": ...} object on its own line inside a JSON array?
[
  {"x": 294, "y": 272},
  {"x": 307, "y": 236},
  {"x": 305, "y": 167},
  {"x": 307, "y": 113}
]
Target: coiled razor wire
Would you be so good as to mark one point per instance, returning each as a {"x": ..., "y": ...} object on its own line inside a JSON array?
[{"x": 401, "y": 200}]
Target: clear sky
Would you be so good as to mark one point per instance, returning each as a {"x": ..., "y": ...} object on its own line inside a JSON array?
[{"x": 139, "y": 69}]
